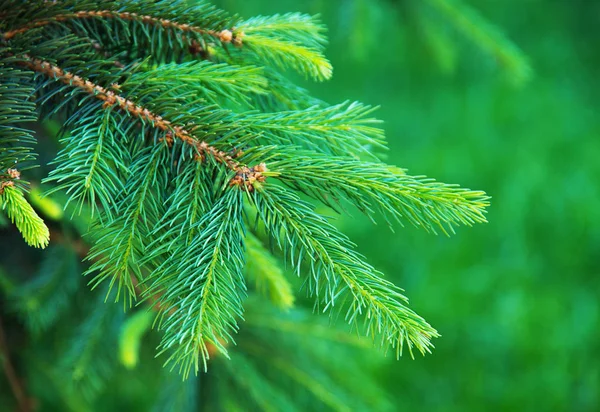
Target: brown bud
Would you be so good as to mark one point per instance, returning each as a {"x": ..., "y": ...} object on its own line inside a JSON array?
[
  {"x": 260, "y": 168},
  {"x": 14, "y": 173},
  {"x": 226, "y": 36}
]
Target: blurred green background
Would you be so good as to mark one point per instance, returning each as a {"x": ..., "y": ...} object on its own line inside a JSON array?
[{"x": 516, "y": 300}]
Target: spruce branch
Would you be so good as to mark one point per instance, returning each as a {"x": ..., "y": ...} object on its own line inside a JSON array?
[
  {"x": 373, "y": 187},
  {"x": 244, "y": 176},
  {"x": 336, "y": 270},
  {"x": 204, "y": 299},
  {"x": 225, "y": 35},
  {"x": 16, "y": 111},
  {"x": 289, "y": 40},
  {"x": 121, "y": 243},
  {"x": 293, "y": 40},
  {"x": 213, "y": 81},
  {"x": 111, "y": 99},
  {"x": 88, "y": 168},
  {"x": 344, "y": 129}
]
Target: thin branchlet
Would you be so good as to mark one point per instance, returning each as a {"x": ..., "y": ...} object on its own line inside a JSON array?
[
  {"x": 245, "y": 177},
  {"x": 225, "y": 36}
]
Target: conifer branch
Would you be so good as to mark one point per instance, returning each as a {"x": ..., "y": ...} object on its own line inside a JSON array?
[
  {"x": 378, "y": 187},
  {"x": 245, "y": 176},
  {"x": 110, "y": 99},
  {"x": 289, "y": 40},
  {"x": 225, "y": 36},
  {"x": 201, "y": 306},
  {"x": 32, "y": 227},
  {"x": 336, "y": 270}
]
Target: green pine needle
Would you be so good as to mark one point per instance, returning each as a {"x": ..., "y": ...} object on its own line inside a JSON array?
[
  {"x": 336, "y": 270},
  {"x": 290, "y": 40}
]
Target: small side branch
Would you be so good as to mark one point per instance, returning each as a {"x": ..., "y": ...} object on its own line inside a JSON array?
[
  {"x": 83, "y": 250},
  {"x": 24, "y": 403},
  {"x": 225, "y": 36},
  {"x": 112, "y": 99},
  {"x": 245, "y": 177}
]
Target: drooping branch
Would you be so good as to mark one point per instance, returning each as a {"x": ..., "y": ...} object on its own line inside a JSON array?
[
  {"x": 154, "y": 300},
  {"x": 245, "y": 176},
  {"x": 225, "y": 36}
]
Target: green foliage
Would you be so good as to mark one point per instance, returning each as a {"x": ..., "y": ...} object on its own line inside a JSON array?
[
  {"x": 20, "y": 212},
  {"x": 182, "y": 145},
  {"x": 516, "y": 300},
  {"x": 16, "y": 109},
  {"x": 201, "y": 285},
  {"x": 292, "y": 39},
  {"x": 485, "y": 35},
  {"x": 375, "y": 187},
  {"x": 343, "y": 129},
  {"x": 336, "y": 270},
  {"x": 268, "y": 276},
  {"x": 131, "y": 337},
  {"x": 213, "y": 82},
  {"x": 46, "y": 297},
  {"x": 119, "y": 244},
  {"x": 90, "y": 357},
  {"x": 87, "y": 168}
]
